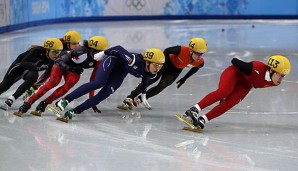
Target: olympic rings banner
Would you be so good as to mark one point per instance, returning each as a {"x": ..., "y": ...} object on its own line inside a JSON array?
[{"x": 24, "y": 13}]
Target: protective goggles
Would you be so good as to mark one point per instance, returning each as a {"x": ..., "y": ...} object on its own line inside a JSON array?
[
  {"x": 156, "y": 65},
  {"x": 198, "y": 53},
  {"x": 57, "y": 52},
  {"x": 280, "y": 75}
]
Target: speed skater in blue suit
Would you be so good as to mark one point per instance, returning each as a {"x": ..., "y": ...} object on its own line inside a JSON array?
[{"x": 116, "y": 63}]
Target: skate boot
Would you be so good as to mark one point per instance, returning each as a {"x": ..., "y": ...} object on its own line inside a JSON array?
[
  {"x": 61, "y": 104},
  {"x": 28, "y": 93},
  {"x": 58, "y": 107},
  {"x": 67, "y": 116},
  {"x": 192, "y": 115},
  {"x": 40, "y": 108},
  {"x": 127, "y": 104},
  {"x": 7, "y": 104},
  {"x": 23, "y": 109}
]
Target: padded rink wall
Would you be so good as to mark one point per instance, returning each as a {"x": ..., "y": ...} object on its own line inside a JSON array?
[{"x": 19, "y": 14}]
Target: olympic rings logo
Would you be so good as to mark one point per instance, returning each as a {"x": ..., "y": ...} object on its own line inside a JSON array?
[{"x": 137, "y": 4}]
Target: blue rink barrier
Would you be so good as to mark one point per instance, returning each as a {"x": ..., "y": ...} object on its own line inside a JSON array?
[{"x": 133, "y": 18}]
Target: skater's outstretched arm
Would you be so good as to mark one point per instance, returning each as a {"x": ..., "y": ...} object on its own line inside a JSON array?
[{"x": 245, "y": 67}]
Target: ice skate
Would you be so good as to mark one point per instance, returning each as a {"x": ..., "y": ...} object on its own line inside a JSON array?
[
  {"x": 39, "y": 109},
  {"x": 186, "y": 121},
  {"x": 192, "y": 116},
  {"x": 28, "y": 93},
  {"x": 127, "y": 104},
  {"x": 36, "y": 112},
  {"x": 123, "y": 107},
  {"x": 55, "y": 108},
  {"x": 63, "y": 119},
  {"x": 67, "y": 116},
  {"x": 61, "y": 104},
  {"x": 23, "y": 109},
  {"x": 18, "y": 113},
  {"x": 4, "y": 107},
  {"x": 193, "y": 129},
  {"x": 7, "y": 104}
]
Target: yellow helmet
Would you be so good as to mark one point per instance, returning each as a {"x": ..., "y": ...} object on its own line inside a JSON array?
[
  {"x": 279, "y": 64},
  {"x": 53, "y": 44},
  {"x": 154, "y": 55},
  {"x": 98, "y": 43},
  {"x": 72, "y": 37},
  {"x": 198, "y": 45}
]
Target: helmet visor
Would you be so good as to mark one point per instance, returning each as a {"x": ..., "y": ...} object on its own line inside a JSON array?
[{"x": 280, "y": 75}]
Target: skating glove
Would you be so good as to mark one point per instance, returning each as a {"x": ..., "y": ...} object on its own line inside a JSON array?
[
  {"x": 41, "y": 68},
  {"x": 180, "y": 82},
  {"x": 96, "y": 110},
  {"x": 77, "y": 70},
  {"x": 99, "y": 56},
  {"x": 145, "y": 102}
]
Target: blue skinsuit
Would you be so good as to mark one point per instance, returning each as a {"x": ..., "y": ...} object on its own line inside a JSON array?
[{"x": 111, "y": 72}]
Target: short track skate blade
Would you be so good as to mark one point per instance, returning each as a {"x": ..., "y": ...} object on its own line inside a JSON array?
[
  {"x": 36, "y": 113},
  {"x": 63, "y": 119},
  {"x": 4, "y": 107},
  {"x": 183, "y": 119},
  {"x": 193, "y": 130},
  {"x": 54, "y": 110},
  {"x": 19, "y": 114},
  {"x": 123, "y": 107}
]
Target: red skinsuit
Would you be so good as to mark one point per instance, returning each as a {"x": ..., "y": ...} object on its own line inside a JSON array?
[
  {"x": 70, "y": 80},
  {"x": 233, "y": 87}
]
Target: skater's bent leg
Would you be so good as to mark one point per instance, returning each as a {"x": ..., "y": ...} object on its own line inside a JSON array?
[
  {"x": 83, "y": 89},
  {"x": 113, "y": 84},
  {"x": 12, "y": 75},
  {"x": 54, "y": 80},
  {"x": 30, "y": 78},
  {"x": 106, "y": 67},
  {"x": 236, "y": 97},
  {"x": 6, "y": 84},
  {"x": 228, "y": 81},
  {"x": 70, "y": 80}
]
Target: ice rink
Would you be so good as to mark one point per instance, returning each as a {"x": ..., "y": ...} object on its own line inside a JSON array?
[{"x": 260, "y": 133}]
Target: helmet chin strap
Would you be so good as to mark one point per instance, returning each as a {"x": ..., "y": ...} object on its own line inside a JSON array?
[
  {"x": 271, "y": 72},
  {"x": 191, "y": 53},
  {"x": 148, "y": 67},
  {"x": 47, "y": 53}
]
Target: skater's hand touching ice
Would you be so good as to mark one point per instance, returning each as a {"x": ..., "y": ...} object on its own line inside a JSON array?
[{"x": 145, "y": 102}]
